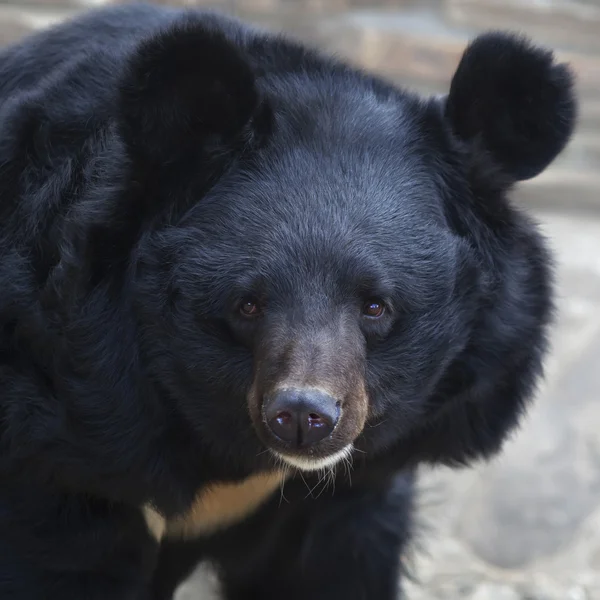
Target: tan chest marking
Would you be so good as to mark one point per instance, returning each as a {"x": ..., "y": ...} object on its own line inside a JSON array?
[
  {"x": 217, "y": 506},
  {"x": 157, "y": 524}
]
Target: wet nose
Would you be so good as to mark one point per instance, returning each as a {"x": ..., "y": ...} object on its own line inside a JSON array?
[{"x": 301, "y": 417}]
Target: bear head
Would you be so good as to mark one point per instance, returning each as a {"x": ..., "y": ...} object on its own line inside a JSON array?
[{"x": 331, "y": 265}]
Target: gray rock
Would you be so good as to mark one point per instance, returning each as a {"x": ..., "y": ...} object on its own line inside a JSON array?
[{"x": 493, "y": 591}]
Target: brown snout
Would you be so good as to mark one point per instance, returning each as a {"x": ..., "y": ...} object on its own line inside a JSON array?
[{"x": 309, "y": 398}]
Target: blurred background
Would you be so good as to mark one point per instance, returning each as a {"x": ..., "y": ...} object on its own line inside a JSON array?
[{"x": 527, "y": 525}]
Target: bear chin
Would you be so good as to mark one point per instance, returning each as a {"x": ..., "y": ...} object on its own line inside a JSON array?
[{"x": 318, "y": 464}]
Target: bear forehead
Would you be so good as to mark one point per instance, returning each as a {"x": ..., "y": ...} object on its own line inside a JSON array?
[
  {"x": 339, "y": 153},
  {"x": 292, "y": 248},
  {"x": 306, "y": 200},
  {"x": 335, "y": 179},
  {"x": 303, "y": 206}
]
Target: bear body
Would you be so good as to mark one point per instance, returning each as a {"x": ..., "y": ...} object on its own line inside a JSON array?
[{"x": 245, "y": 290}]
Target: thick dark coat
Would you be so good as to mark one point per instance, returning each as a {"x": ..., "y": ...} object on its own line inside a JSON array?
[{"x": 193, "y": 213}]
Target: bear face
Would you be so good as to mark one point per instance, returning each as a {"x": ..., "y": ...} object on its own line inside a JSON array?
[
  {"x": 353, "y": 271},
  {"x": 300, "y": 272}
]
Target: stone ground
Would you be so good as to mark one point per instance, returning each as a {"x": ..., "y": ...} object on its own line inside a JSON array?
[{"x": 527, "y": 525}]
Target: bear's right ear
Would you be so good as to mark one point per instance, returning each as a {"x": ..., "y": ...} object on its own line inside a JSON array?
[{"x": 184, "y": 86}]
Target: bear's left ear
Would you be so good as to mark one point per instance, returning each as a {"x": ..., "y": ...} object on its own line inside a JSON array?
[
  {"x": 183, "y": 87},
  {"x": 513, "y": 101}
]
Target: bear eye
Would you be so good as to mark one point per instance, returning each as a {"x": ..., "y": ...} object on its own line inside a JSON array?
[
  {"x": 373, "y": 308},
  {"x": 250, "y": 307}
]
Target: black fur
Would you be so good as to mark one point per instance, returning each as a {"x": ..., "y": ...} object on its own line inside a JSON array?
[
  {"x": 175, "y": 94},
  {"x": 158, "y": 167},
  {"x": 511, "y": 98}
]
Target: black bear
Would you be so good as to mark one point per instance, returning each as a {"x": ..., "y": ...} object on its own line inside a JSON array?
[{"x": 245, "y": 290}]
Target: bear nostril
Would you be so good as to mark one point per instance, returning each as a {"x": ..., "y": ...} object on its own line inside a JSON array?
[
  {"x": 301, "y": 417},
  {"x": 314, "y": 427},
  {"x": 284, "y": 424},
  {"x": 284, "y": 418}
]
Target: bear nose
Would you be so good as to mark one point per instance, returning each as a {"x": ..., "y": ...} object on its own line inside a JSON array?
[{"x": 301, "y": 417}]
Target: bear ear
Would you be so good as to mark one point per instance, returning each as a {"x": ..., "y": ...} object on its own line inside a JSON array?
[
  {"x": 184, "y": 88},
  {"x": 513, "y": 101}
]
